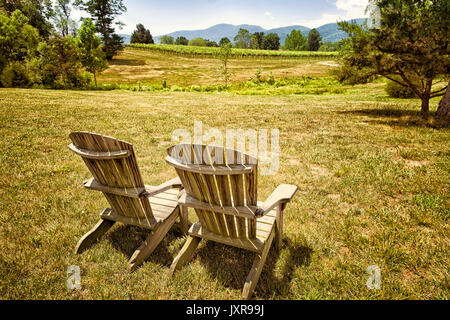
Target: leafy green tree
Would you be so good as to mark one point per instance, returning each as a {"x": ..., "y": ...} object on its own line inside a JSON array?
[
  {"x": 38, "y": 12},
  {"x": 257, "y": 41},
  {"x": 243, "y": 39},
  {"x": 333, "y": 46},
  {"x": 15, "y": 75},
  {"x": 328, "y": 47},
  {"x": 89, "y": 49},
  {"x": 183, "y": 41},
  {"x": 314, "y": 40},
  {"x": 166, "y": 40},
  {"x": 104, "y": 13},
  {"x": 224, "y": 41},
  {"x": 141, "y": 35},
  {"x": 410, "y": 46},
  {"x": 295, "y": 41},
  {"x": 63, "y": 23},
  {"x": 115, "y": 44},
  {"x": 198, "y": 42},
  {"x": 271, "y": 42},
  {"x": 58, "y": 65},
  {"x": 224, "y": 56},
  {"x": 18, "y": 39},
  {"x": 211, "y": 44}
]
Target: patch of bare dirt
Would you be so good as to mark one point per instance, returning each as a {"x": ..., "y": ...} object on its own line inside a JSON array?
[
  {"x": 329, "y": 63},
  {"x": 416, "y": 164},
  {"x": 334, "y": 197},
  {"x": 320, "y": 171}
]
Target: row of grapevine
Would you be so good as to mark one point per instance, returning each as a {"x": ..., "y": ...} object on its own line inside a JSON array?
[{"x": 209, "y": 51}]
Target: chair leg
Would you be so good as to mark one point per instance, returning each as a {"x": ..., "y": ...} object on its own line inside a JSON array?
[
  {"x": 150, "y": 244},
  {"x": 185, "y": 254},
  {"x": 255, "y": 272},
  {"x": 184, "y": 221},
  {"x": 93, "y": 235},
  {"x": 279, "y": 228}
]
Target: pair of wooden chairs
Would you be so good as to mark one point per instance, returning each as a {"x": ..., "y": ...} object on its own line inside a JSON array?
[{"x": 219, "y": 184}]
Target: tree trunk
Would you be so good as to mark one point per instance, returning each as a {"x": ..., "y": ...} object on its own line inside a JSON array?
[
  {"x": 425, "y": 97},
  {"x": 425, "y": 107},
  {"x": 95, "y": 79},
  {"x": 444, "y": 105}
]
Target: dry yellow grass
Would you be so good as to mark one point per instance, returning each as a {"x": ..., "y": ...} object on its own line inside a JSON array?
[{"x": 134, "y": 65}]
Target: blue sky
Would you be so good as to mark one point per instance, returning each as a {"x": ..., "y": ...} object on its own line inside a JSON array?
[{"x": 163, "y": 17}]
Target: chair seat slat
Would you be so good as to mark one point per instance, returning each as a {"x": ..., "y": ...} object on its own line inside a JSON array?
[{"x": 240, "y": 211}]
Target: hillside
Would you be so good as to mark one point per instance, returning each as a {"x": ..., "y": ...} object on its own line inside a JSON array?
[
  {"x": 329, "y": 32},
  {"x": 126, "y": 38},
  {"x": 214, "y": 33}
]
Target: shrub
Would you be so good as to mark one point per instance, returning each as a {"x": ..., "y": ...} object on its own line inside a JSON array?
[
  {"x": 258, "y": 75},
  {"x": 271, "y": 79},
  {"x": 109, "y": 87},
  {"x": 395, "y": 90},
  {"x": 198, "y": 42},
  {"x": 84, "y": 79},
  {"x": 351, "y": 75},
  {"x": 175, "y": 88},
  {"x": 196, "y": 88},
  {"x": 209, "y": 89},
  {"x": 58, "y": 65},
  {"x": 15, "y": 75}
]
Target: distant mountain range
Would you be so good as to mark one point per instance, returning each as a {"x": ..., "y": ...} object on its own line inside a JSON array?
[{"x": 329, "y": 32}]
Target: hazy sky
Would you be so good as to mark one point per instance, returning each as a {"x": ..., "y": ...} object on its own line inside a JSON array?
[{"x": 163, "y": 17}]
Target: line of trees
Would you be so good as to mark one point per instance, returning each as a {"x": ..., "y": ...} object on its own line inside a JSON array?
[
  {"x": 333, "y": 46},
  {"x": 41, "y": 45},
  {"x": 245, "y": 40},
  {"x": 295, "y": 41},
  {"x": 198, "y": 42}
]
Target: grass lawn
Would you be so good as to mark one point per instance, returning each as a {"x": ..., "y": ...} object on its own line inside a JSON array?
[{"x": 373, "y": 180}]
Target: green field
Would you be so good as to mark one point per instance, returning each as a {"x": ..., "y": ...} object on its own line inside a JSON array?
[
  {"x": 373, "y": 182},
  {"x": 193, "y": 50}
]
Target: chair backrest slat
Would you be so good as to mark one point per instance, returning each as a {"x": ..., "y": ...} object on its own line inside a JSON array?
[
  {"x": 230, "y": 187},
  {"x": 118, "y": 171}
]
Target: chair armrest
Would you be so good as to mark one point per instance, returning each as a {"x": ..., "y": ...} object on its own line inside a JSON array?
[
  {"x": 282, "y": 194},
  {"x": 150, "y": 191}
]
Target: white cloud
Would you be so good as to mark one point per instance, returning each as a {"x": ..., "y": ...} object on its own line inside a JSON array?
[
  {"x": 269, "y": 14},
  {"x": 351, "y": 9}
]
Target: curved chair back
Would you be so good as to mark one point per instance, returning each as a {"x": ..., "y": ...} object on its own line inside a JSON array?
[
  {"x": 218, "y": 177},
  {"x": 113, "y": 165}
]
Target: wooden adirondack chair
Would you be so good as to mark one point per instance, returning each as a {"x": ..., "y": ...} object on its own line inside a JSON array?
[
  {"x": 115, "y": 173},
  {"x": 221, "y": 185}
]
